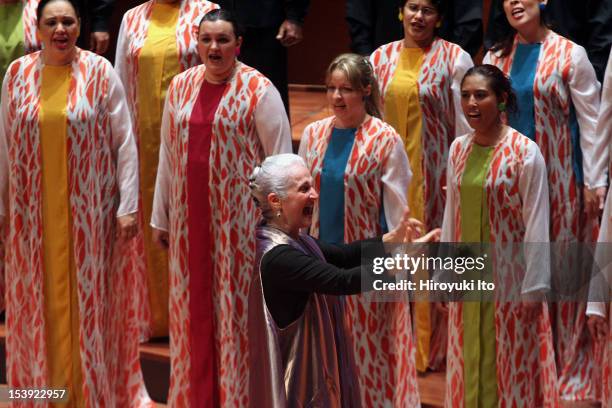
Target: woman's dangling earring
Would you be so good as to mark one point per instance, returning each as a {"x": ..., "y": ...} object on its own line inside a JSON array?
[
  {"x": 278, "y": 214},
  {"x": 502, "y": 106},
  {"x": 400, "y": 16},
  {"x": 542, "y": 7},
  {"x": 439, "y": 24}
]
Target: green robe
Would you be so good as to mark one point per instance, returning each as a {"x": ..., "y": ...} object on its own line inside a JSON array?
[
  {"x": 479, "y": 356},
  {"x": 11, "y": 35}
]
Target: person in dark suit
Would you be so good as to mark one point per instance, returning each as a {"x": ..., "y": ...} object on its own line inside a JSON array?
[
  {"x": 270, "y": 27},
  {"x": 372, "y": 24},
  {"x": 94, "y": 21}
]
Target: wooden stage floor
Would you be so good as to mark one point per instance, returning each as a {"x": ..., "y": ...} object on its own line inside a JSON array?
[{"x": 307, "y": 105}]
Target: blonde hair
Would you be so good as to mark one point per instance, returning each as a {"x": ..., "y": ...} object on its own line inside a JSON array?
[{"x": 360, "y": 74}]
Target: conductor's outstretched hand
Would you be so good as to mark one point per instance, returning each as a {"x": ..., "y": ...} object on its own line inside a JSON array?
[{"x": 411, "y": 230}]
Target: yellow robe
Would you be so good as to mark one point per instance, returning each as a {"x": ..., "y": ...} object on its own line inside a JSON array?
[
  {"x": 60, "y": 284},
  {"x": 158, "y": 63},
  {"x": 403, "y": 112}
]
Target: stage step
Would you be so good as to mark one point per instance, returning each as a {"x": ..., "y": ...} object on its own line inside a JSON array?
[{"x": 155, "y": 363}]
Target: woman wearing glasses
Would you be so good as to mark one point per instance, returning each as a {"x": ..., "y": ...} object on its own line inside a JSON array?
[{"x": 419, "y": 79}]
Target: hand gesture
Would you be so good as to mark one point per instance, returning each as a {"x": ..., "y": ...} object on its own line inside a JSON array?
[
  {"x": 161, "y": 238},
  {"x": 289, "y": 33},
  {"x": 410, "y": 230},
  {"x": 594, "y": 200},
  {"x": 127, "y": 226},
  {"x": 98, "y": 42}
]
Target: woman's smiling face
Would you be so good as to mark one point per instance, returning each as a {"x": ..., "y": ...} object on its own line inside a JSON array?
[
  {"x": 479, "y": 103},
  {"x": 522, "y": 14},
  {"x": 299, "y": 202},
  {"x": 346, "y": 102}
]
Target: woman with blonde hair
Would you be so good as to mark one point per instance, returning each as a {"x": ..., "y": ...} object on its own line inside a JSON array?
[{"x": 359, "y": 165}]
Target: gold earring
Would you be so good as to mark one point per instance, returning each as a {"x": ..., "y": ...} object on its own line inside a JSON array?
[
  {"x": 400, "y": 16},
  {"x": 439, "y": 24}
]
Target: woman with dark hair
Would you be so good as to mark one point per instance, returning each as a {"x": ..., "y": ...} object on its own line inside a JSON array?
[
  {"x": 559, "y": 98},
  {"x": 220, "y": 119},
  {"x": 360, "y": 167},
  {"x": 586, "y": 23},
  {"x": 419, "y": 80},
  {"x": 157, "y": 40},
  {"x": 18, "y": 33},
  {"x": 68, "y": 171},
  {"x": 499, "y": 352},
  {"x": 298, "y": 332}
]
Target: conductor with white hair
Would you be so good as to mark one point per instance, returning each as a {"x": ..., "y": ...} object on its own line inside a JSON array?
[{"x": 297, "y": 333}]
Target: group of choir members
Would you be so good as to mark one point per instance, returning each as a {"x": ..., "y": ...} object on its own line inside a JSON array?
[{"x": 91, "y": 153}]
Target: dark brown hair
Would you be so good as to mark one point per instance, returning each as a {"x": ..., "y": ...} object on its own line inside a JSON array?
[
  {"x": 439, "y": 5},
  {"x": 223, "y": 15},
  {"x": 499, "y": 83},
  {"x": 43, "y": 4}
]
